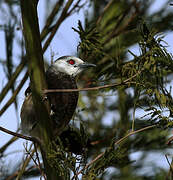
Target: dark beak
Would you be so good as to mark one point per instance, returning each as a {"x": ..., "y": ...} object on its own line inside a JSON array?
[{"x": 86, "y": 65}]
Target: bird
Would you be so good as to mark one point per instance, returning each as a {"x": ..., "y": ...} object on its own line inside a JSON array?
[{"x": 61, "y": 74}]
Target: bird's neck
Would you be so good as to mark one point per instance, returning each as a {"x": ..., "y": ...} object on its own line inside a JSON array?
[
  {"x": 59, "y": 80},
  {"x": 53, "y": 72}
]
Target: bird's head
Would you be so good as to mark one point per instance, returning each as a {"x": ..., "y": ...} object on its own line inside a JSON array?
[{"x": 71, "y": 65}]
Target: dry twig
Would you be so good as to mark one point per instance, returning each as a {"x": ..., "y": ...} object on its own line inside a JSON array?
[
  {"x": 116, "y": 143},
  {"x": 93, "y": 88}
]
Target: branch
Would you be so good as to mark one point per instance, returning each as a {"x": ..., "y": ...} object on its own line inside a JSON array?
[
  {"x": 8, "y": 143},
  {"x": 32, "y": 171},
  {"x": 46, "y": 30},
  {"x": 74, "y": 7},
  {"x": 170, "y": 173},
  {"x": 121, "y": 30},
  {"x": 35, "y": 65},
  {"x": 25, "y": 163},
  {"x": 34, "y": 54},
  {"x": 33, "y": 139},
  {"x": 37, "y": 165},
  {"x": 15, "y": 93},
  {"x": 92, "y": 88},
  {"x": 116, "y": 143},
  {"x": 12, "y": 80},
  {"x": 56, "y": 26},
  {"x": 104, "y": 10}
]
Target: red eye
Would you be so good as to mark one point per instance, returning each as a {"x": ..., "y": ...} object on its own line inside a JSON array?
[{"x": 71, "y": 61}]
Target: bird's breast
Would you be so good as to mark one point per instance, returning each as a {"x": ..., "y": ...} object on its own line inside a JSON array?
[{"x": 63, "y": 104}]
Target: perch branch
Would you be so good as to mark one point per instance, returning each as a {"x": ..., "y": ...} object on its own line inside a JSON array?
[{"x": 92, "y": 88}]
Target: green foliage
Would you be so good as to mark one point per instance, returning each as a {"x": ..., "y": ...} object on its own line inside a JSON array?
[
  {"x": 90, "y": 44},
  {"x": 142, "y": 98},
  {"x": 147, "y": 91}
]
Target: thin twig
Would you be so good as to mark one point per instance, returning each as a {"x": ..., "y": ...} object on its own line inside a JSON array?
[
  {"x": 12, "y": 176},
  {"x": 134, "y": 132},
  {"x": 46, "y": 30},
  {"x": 92, "y": 88},
  {"x": 12, "y": 152},
  {"x": 115, "y": 32},
  {"x": 55, "y": 28},
  {"x": 39, "y": 164},
  {"x": 25, "y": 162},
  {"x": 116, "y": 143},
  {"x": 104, "y": 10},
  {"x": 12, "y": 80},
  {"x": 74, "y": 7},
  {"x": 13, "y": 97},
  {"x": 30, "y": 154},
  {"x": 7, "y": 144},
  {"x": 169, "y": 140},
  {"x": 33, "y": 139},
  {"x": 171, "y": 167},
  {"x": 168, "y": 163},
  {"x": 28, "y": 173}
]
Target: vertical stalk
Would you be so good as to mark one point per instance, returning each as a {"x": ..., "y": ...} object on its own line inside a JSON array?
[{"x": 37, "y": 77}]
